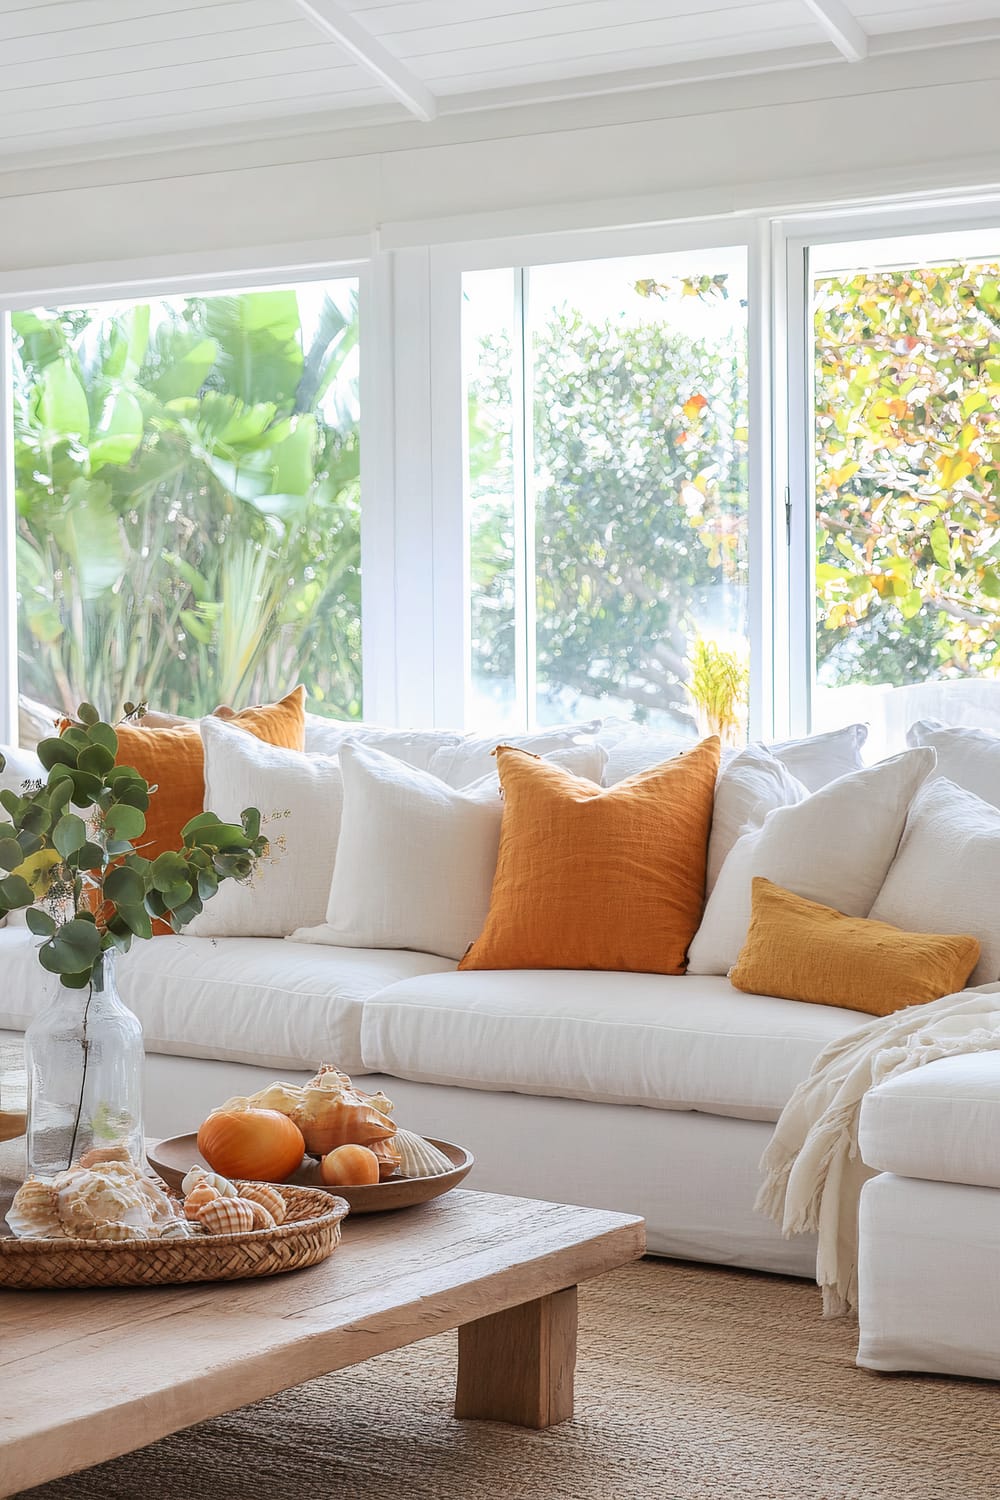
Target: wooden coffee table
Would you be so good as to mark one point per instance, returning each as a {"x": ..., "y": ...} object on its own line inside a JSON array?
[{"x": 90, "y": 1375}]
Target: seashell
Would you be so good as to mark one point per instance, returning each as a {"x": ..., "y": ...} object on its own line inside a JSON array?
[
  {"x": 176, "y": 1229},
  {"x": 261, "y": 1218},
  {"x": 344, "y": 1120},
  {"x": 389, "y": 1157},
  {"x": 268, "y": 1197},
  {"x": 226, "y": 1216},
  {"x": 200, "y": 1194},
  {"x": 328, "y": 1075},
  {"x": 116, "y": 1232},
  {"x": 222, "y": 1185},
  {"x": 110, "y": 1193},
  {"x": 98, "y": 1154},
  {"x": 378, "y": 1101},
  {"x": 419, "y": 1157},
  {"x": 34, "y": 1213}
]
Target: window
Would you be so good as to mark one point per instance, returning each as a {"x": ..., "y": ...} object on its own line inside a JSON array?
[
  {"x": 188, "y": 500},
  {"x": 606, "y": 491},
  {"x": 906, "y": 476}
]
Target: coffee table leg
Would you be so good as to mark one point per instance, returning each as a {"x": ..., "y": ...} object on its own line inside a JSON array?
[{"x": 517, "y": 1366}]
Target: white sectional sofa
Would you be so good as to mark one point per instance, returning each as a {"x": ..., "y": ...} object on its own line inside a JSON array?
[{"x": 639, "y": 1092}]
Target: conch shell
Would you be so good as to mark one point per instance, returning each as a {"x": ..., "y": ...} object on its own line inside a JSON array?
[
  {"x": 109, "y": 1198},
  {"x": 389, "y": 1157},
  {"x": 419, "y": 1158},
  {"x": 328, "y": 1113}
]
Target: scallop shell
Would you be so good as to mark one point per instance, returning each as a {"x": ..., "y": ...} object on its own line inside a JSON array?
[
  {"x": 34, "y": 1213},
  {"x": 226, "y": 1216},
  {"x": 261, "y": 1218},
  {"x": 419, "y": 1157},
  {"x": 268, "y": 1197},
  {"x": 222, "y": 1185}
]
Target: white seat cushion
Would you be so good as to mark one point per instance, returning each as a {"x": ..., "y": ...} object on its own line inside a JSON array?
[
  {"x": 667, "y": 1042},
  {"x": 940, "y": 1122},
  {"x": 250, "y": 1000}
]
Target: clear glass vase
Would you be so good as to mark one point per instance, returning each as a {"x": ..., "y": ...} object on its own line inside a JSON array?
[{"x": 84, "y": 1059}]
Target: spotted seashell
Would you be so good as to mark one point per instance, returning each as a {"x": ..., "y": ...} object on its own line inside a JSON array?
[
  {"x": 418, "y": 1157},
  {"x": 226, "y": 1216},
  {"x": 116, "y": 1232},
  {"x": 268, "y": 1197},
  {"x": 261, "y": 1218},
  {"x": 34, "y": 1213},
  {"x": 222, "y": 1185},
  {"x": 201, "y": 1194}
]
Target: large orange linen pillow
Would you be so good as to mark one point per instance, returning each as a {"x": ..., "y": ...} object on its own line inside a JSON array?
[
  {"x": 174, "y": 761},
  {"x": 800, "y": 950},
  {"x": 592, "y": 877}
]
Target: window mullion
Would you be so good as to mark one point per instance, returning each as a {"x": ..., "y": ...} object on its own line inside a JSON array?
[{"x": 8, "y": 583}]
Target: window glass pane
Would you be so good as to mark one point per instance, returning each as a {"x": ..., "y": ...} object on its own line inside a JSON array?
[
  {"x": 907, "y": 473},
  {"x": 489, "y": 342},
  {"x": 607, "y": 434},
  {"x": 188, "y": 500}
]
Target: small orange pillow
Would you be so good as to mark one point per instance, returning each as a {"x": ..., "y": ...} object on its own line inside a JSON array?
[
  {"x": 174, "y": 761},
  {"x": 592, "y": 877},
  {"x": 799, "y": 950}
]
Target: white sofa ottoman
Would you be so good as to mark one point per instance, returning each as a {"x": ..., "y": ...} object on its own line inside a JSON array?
[{"x": 929, "y": 1234}]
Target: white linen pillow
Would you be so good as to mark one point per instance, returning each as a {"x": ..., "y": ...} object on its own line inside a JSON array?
[
  {"x": 835, "y": 847},
  {"x": 753, "y": 784},
  {"x": 968, "y": 758},
  {"x": 416, "y": 858},
  {"x": 819, "y": 759},
  {"x": 472, "y": 757},
  {"x": 414, "y": 746},
  {"x": 300, "y": 798},
  {"x": 21, "y": 766},
  {"x": 946, "y": 875}
]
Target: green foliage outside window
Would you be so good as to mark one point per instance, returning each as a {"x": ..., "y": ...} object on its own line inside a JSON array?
[{"x": 188, "y": 502}]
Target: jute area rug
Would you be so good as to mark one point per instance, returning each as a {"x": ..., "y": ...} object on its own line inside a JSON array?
[{"x": 692, "y": 1384}]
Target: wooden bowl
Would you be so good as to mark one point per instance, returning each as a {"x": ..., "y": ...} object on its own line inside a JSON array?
[{"x": 173, "y": 1157}]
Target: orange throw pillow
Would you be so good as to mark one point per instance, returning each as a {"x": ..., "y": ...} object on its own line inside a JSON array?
[
  {"x": 174, "y": 761},
  {"x": 592, "y": 877},
  {"x": 800, "y": 950}
]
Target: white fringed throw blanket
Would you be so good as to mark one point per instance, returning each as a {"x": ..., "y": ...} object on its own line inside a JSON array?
[{"x": 813, "y": 1173}]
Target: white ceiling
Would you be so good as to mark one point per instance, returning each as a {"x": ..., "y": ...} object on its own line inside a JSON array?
[{"x": 89, "y": 73}]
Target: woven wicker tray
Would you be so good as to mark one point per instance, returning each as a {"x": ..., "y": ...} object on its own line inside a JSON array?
[{"x": 310, "y": 1233}]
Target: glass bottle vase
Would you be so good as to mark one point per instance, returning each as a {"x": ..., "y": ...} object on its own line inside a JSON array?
[{"x": 84, "y": 1060}]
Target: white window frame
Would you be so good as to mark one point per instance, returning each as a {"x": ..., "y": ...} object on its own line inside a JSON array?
[
  {"x": 448, "y": 543},
  {"x": 206, "y": 273},
  {"x": 793, "y": 239}
]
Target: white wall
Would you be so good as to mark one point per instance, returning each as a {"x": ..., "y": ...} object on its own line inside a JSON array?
[{"x": 838, "y": 132}]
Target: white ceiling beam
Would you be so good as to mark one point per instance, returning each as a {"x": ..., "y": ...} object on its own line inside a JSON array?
[
  {"x": 844, "y": 30},
  {"x": 341, "y": 27}
]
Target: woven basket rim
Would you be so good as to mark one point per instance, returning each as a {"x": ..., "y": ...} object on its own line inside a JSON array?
[{"x": 335, "y": 1209}]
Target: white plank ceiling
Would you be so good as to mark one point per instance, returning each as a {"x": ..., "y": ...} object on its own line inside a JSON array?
[{"x": 89, "y": 74}]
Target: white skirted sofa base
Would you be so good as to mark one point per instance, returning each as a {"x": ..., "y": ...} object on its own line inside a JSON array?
[{"x": 929, "y": 1237}]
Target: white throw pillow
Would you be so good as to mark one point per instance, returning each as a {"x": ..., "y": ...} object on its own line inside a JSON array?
[
  {"x": 472, "y": 757},
  {"x": 821, "y": 758},
  {"x": 753, "y": 784},
  {"x": 969, "y": 758},
  {"x": 946, "y": 876},
  {"x": 416, "y": 858},
  {"x": 414, "y": 746},
  {"x": 300, "y": 799},
  {"x": 21, "y": 766},
  {"x": 835, "y": 847}
]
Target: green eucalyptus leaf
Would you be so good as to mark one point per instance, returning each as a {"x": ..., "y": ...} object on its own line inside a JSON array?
[
  {"x": 124, "y": 822},
  {"x": 16, "y": 892},
  {"x": 96, "y": 759},
  {"x": 73, "y": 949},
  {"x": 39, "y": 922},
  {"x": 87, "y": 714},
  {"x": 250, "y": 818},
  {"x": 103, "y": 735},
  {"x": 75, "y": 737},
  {"x": 86, "y": 788},
  {"x": 79, "y": 981},
  {"x": 124, "y": 887},
  {"x": 136, "y": 918},
  {"x": 59, "y": 793},
  {"x": 177, "y": 895},
  {"x": 168, "y": 869},
  {"x": 11, "y": 802},
  {"x": 91, "y": 856},
  {"x": 133, "y": 794},
  {"x": 117, "y": 847},
  {"x": 11, "y": 853},
  {"x": 69, "y": 835},
  {"x": 55, "y": 752},
  {"x": 208, "y": 885}
]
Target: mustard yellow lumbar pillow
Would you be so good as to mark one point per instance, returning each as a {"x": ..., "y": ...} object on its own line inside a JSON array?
[
  {"x": 799, "y": 950},
  {"x": 592, "y": 877}
]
